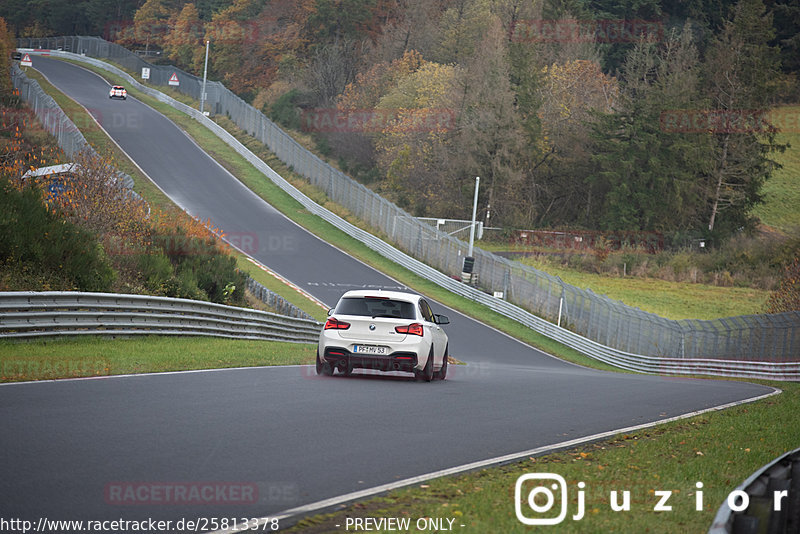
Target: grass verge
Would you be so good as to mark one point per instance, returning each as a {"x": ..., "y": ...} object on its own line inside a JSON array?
[
  {"x": 720, "y": 449},
  {"x": 72, "y": 357}
]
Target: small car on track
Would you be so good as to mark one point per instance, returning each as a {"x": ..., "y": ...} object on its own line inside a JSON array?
[
  {"x": 384, "y": 331},
  {"x": 117, "y": 91}
]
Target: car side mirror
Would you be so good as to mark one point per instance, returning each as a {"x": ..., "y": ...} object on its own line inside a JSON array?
[
  {"x": 330, "y": 312},
  {"x": 442, "y": 319}
]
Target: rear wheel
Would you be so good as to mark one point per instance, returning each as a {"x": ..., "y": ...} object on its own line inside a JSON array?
[
  {"x": 441, "y": 374},
  {"x": 427, "y": 372},
  {"x": 323, "y": 368}
]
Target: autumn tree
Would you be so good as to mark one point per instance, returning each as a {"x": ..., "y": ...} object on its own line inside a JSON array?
[
  {"x": 570, "y": 93},
  {"x": 354, "y": 20},
  {"x": 418, "y": 123},
  {"x": 237, "y": 54},
  {"x": 184, "y": 42},
  {"x": 362, "y": 95},
  {"x": 94, "y": 198},
  {"x": 787, "y": 296},
  {"x": 7, "y": 45},
  {"x": 413, "y": 27},
  {"x": 490, "y": 140},
  {"x": 332, "y": 69},
  {"x": 150, "y": 24},
  {"x": 462, "y": 26}
]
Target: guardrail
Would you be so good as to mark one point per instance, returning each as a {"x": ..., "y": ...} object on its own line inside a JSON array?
[
  {"x": 25, "y": 314},
  {"x": 781, "y": 370},
  {"x": 275, "y": 301},
  {"x": 772, "y": 496}
]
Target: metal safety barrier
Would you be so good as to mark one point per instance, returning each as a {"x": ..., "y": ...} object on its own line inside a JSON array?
[
  {"x": 760, "y": 346},
  {"x": 275, "y": 301},
  {"x": 768, "y": 501},
  {"x": 25, "y": 314}
]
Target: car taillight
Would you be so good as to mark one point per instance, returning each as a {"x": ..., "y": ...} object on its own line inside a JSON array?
[
  {"x": 335, "y": 324},
  {"x": 414, "y": 329}
]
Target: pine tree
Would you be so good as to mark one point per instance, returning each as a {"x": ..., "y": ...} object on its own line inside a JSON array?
[
  {"x": 645, "y": 174},
  {"x": 742, "y": 69}
]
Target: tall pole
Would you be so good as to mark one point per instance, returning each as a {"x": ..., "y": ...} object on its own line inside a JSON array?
[
  {"x": 205, "y": 75},
  {"x": 474, "y": 213}
]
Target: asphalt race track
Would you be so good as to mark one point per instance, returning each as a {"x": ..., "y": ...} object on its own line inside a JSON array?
[{"x": 286, "y": 436}]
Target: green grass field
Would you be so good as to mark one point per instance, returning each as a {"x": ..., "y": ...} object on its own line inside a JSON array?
[
  {"x": 673, "y": 300},
  {"x": 73, "y": 357},
  {"x": 781, "y": 207}
]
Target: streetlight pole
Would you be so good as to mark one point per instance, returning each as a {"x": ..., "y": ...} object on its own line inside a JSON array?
[
  {"x": 474, "y": 213},
  {"x": 467, "y": 275},
  {"x": 205, "y": 75}
]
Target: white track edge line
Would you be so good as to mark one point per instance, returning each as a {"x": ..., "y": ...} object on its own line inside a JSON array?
[{"x": 361, "y": 494}]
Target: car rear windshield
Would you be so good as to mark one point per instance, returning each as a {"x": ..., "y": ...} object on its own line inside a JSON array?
[{"x": 376, "y": 307}]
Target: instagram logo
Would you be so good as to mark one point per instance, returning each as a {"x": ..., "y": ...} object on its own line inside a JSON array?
[{"x": 541, "y": 499}]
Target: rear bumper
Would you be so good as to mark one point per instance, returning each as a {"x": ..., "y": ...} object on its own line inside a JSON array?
[{"x": 396, "y": 361}]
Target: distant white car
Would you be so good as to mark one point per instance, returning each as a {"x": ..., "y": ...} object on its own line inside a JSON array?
[
  {"x": 386, "y": 331},
  {"x": 117, "y": 91}
]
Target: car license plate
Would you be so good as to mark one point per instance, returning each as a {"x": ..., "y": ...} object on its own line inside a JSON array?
[{"x": 369, "y": 349}]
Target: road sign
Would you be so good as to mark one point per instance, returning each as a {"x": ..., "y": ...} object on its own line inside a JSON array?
[
  {"x": 173, "y": 80},
  {"x": 145, "y": 73},
  {"x": 26, "y": 61}
]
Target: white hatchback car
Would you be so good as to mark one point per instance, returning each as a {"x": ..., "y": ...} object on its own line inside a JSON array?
[
  {"x": 117, "y": 91},
  {"x": 386, "y": 331}
]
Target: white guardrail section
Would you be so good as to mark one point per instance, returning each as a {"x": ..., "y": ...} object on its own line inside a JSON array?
[
  {"x": 25, "y": 314},
  {"x": 617, "y": 358}
]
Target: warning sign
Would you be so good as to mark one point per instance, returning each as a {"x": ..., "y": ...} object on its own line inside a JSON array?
[
  {"x": 173, "y": 80},
  {"x": 26, "y": 61}
]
